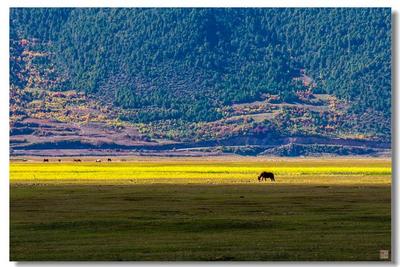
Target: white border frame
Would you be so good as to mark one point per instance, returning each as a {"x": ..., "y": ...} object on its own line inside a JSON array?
[{"x": 4, "y": 97}]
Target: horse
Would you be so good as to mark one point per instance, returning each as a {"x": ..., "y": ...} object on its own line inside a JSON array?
[
  {"x": 77, "y": 160},
  {"x": 265, "y": 175},
  {"x": 109, "y": 160},
  {"x": 98, "y": 160},
  {"x": 45, "y": 160}
]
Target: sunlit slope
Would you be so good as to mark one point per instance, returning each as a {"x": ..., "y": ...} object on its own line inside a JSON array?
[{"x": 365, "y": 171}]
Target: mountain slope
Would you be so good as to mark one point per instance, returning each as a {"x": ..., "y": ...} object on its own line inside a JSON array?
[{"x": 207, "y": 75}]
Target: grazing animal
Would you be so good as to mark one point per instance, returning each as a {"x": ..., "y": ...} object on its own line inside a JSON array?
[
  {"x": 77, "y": 160},
  {"x": 265, "y": 176},
  {"x": 45, "y": 160},
  {"x": 98, "y": 160},
  {"x": 59, "y": 160},
  {"x": 109, "y": 160}
]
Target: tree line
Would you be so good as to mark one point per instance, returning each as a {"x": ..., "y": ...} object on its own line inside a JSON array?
[{"x": 187, "y": 63}]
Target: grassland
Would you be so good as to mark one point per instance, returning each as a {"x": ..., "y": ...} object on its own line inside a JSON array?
[{"x": 319, "y": 209}]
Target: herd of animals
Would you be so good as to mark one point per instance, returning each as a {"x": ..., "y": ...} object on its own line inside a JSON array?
[
  {"x": 263, "y": 176},
  {"x": 76, "y": 160}
]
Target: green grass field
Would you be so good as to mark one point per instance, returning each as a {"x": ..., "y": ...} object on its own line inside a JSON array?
[{"x": 319, "y": 209}]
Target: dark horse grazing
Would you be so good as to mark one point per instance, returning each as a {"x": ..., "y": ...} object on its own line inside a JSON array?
[
  {"x": 45, "y": 160},
  {"x": 265, "y": 175}
]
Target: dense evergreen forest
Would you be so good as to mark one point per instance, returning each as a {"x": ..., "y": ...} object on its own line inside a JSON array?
[{"x": 189, "y": 63}]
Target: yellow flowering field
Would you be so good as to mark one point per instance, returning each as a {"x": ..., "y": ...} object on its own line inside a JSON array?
[{"x": 302, "y": 171}]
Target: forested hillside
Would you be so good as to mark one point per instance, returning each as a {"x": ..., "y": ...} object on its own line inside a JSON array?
[{"x": 184, "y": 70}]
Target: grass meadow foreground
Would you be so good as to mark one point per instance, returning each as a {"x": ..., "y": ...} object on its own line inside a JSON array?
[{"x": 319, "y": 209}]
